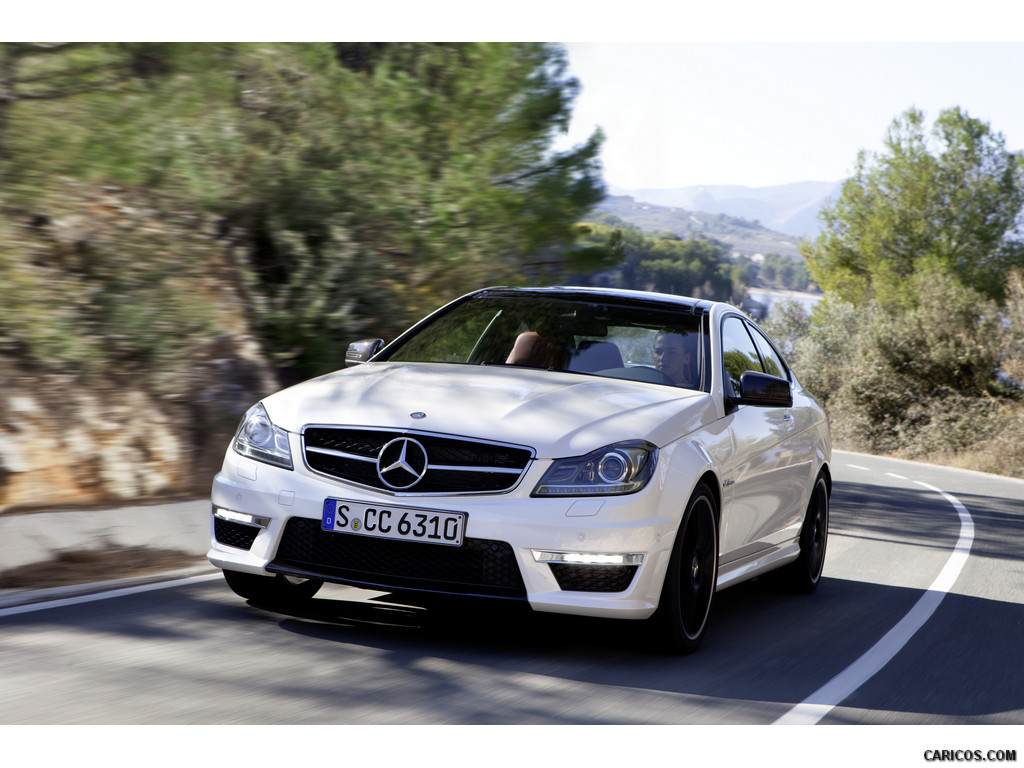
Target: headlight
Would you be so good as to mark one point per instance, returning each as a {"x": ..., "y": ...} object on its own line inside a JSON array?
[
  {"x": 615, "y": 469},
  {"x": 259, "y": 439}
]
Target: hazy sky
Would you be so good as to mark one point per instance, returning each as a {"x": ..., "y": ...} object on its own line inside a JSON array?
[{"x": 759, "y": 114}]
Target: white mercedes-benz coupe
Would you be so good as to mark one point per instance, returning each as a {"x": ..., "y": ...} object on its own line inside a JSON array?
[{"x": 584, "y": 451}]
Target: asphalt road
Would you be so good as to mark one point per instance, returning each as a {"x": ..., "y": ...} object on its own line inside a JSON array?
[{"x": 919, "y": 620}]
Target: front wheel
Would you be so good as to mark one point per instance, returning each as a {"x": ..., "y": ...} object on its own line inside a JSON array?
[
  {"x": 692, "y": 576},
  {"x": 272, "y": 590}
]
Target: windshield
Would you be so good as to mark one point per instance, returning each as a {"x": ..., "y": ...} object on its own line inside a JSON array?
[{"x": 599, "y": 338}]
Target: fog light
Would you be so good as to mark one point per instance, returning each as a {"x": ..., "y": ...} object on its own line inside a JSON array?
[{"x": 588, "y": 558}]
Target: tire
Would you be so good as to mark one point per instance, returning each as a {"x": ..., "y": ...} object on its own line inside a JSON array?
[
  {"x": 804, "y": 574},
  {"x": 272, "y": 590},
  {"x": 689, "y": 588}
]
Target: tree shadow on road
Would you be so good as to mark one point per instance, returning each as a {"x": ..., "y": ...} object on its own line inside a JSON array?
[
  {"x": 765, "y": 646},
  {"x": 369, "y": 660}
]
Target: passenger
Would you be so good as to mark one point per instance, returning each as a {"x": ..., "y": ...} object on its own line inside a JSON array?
[
  {"x": 672, "y": 357},
  {"x": 534, "y": 349}
]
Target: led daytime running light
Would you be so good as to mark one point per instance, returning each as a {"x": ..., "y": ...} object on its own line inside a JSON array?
[
  {"x": 241, "y": 517},
  {"x": 589, "y": 558}
]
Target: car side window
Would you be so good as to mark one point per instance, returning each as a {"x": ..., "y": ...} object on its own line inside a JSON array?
[
  {"x": 738, "y": 354},
  {"x": 773, "y": 364}
]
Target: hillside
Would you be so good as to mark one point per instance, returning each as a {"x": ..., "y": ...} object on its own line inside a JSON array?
[
  {"x": 743, "y": 236},
  {"x": 788, "y": 208},
  {"x": 186, "y": 226}
]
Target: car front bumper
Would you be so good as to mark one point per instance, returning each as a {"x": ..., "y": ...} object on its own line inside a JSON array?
[{"x": 593, "y": 556}]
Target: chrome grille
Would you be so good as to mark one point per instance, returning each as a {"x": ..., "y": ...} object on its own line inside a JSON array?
[{"x": 453, "y": 464}]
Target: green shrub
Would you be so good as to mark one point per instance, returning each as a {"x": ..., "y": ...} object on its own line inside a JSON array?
[{"x": 920, "y": 382}]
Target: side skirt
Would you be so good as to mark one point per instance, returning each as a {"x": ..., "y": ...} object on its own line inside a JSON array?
[{"x": 755, "y": 565}]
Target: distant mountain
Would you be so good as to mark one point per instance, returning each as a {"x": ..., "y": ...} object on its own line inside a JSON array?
[
  {"x": 789, "y": 208},
  {"x": 742, "y": 235}
]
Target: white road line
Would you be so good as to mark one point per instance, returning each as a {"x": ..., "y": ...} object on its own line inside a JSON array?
[
  {"x": 135, "y": 590},
  {"x": 816, "y": 706}
]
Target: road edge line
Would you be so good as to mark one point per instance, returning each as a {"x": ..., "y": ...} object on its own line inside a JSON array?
[
  {"x": 106, "y": 595},
  {"x": 816, "y": 706}
]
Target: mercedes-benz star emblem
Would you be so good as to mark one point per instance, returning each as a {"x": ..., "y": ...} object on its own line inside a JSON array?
[{"x": 401, "y": 463}]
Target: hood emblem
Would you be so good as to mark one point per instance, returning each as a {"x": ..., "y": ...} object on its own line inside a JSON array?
[
  {"x": 402, "y": 463},
  {"x": 418, "y": 415}
]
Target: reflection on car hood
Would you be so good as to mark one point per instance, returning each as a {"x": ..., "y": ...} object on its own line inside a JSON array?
[{"x": 558, "y": 414}]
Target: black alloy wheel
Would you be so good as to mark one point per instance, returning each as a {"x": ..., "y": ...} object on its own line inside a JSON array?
[
  {"x": 805, "y": 573},
  {"x": 689, "y": 588}
]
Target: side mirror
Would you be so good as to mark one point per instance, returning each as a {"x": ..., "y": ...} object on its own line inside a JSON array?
[
  {"x": 360, "y": 352},
  {"x": 764, "y": 390}
]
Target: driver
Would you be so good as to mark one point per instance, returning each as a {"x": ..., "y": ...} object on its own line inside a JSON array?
[{"x": 672, "y": 357}]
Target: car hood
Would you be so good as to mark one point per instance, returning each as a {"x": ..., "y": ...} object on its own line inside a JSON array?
[{"x": 557, "y": 414}]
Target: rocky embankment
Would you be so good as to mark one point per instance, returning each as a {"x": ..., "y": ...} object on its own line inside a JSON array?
[
  {"x": 149, "y": 430},
  {"x": 73, "y": 444}
]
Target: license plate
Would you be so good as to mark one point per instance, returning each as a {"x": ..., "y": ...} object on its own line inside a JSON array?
[{"x": 388, "y": 522}]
